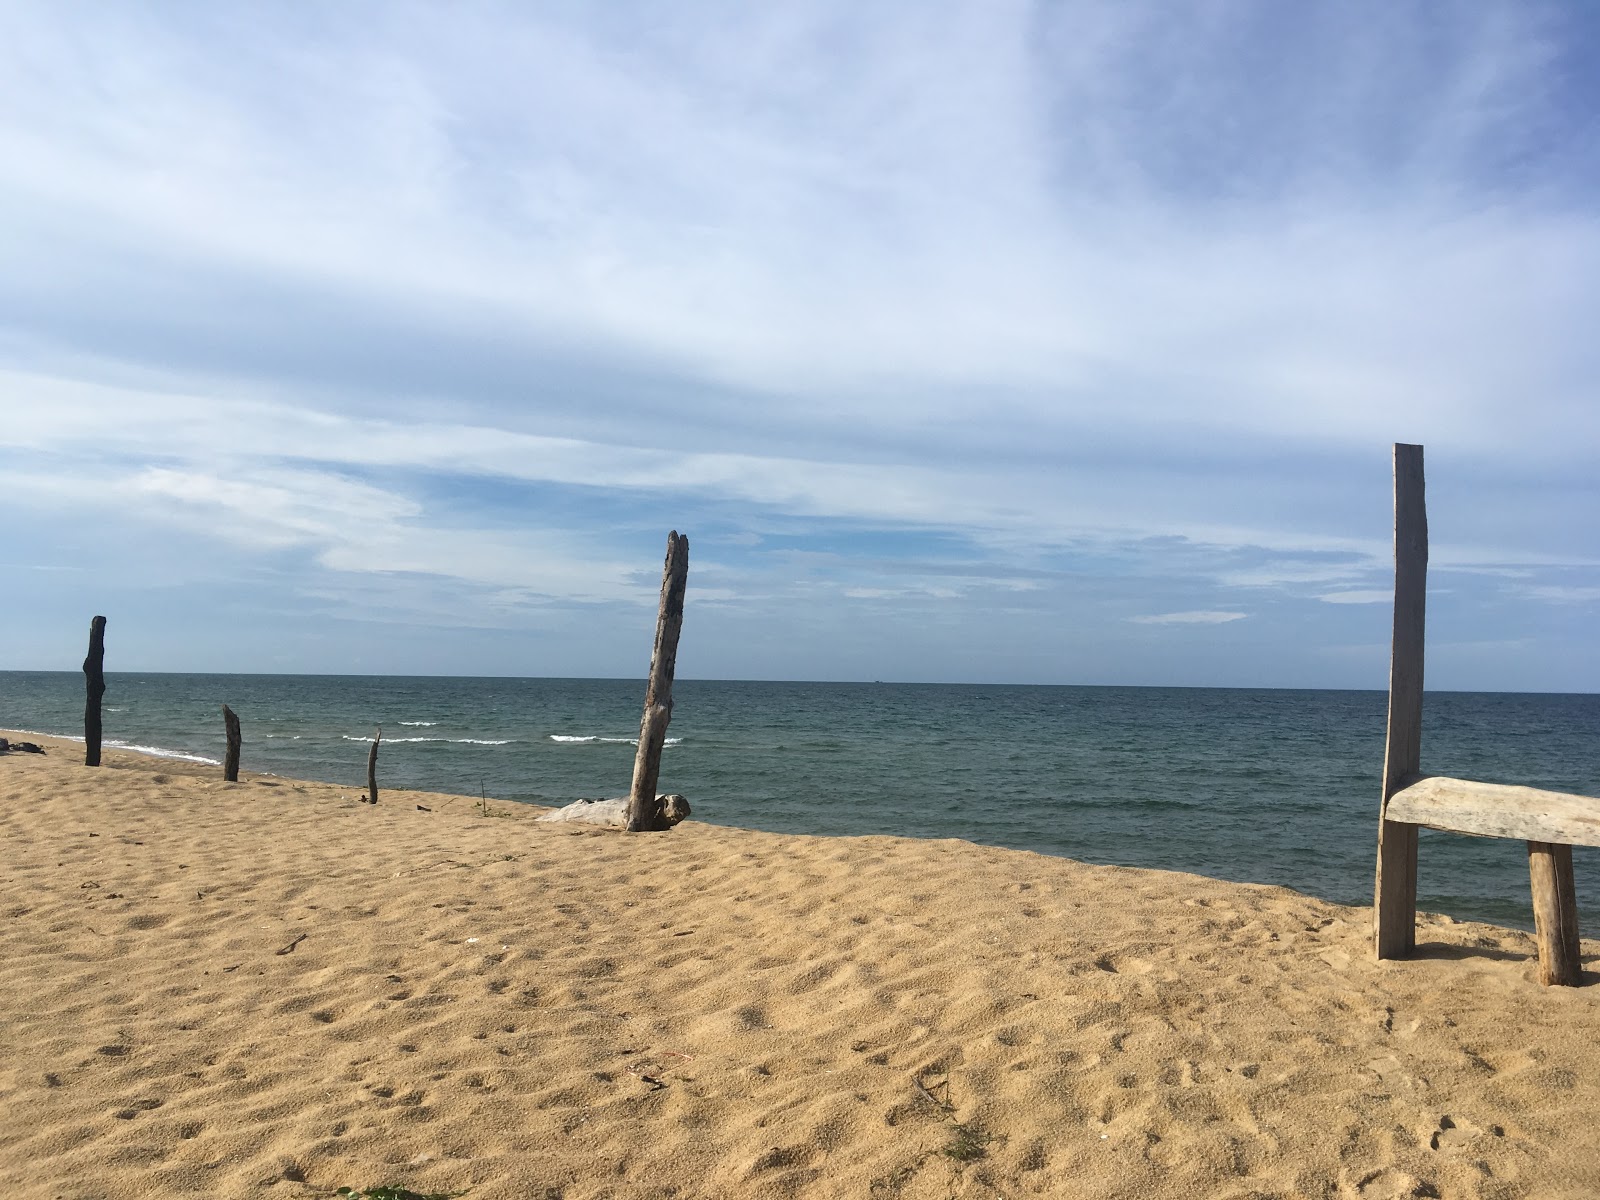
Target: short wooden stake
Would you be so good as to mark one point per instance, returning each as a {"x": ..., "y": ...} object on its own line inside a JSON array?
[
  {"x": 230, "y": 763},
  {"x": 372, "y": 767},
  {"x": 644, "y": 813},
  {"x": 1555, "y": 913},
  {"x": 94, "y": 679},
  {"x": 1394, "y": 920}
]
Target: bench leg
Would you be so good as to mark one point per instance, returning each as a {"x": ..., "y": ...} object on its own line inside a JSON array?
[
  {"x": 1394, "y": 909},
  {"x": 1555, "y": 913}
]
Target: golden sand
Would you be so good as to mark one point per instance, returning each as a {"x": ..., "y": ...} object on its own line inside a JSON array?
[{"x": 268, "y": 989}]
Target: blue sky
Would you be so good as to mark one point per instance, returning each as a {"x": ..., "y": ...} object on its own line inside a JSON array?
[{"x": 1058, "y": 343}]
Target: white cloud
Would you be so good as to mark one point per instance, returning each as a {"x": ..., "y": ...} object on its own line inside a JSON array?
[
  {"x": 1561, "y": 594},
  {"x": 1084, "y": 290},
  {"x": 938, "y": 221},
  {"x": 1372, "y": 596},
  {"x": 1200, "y": 617}
]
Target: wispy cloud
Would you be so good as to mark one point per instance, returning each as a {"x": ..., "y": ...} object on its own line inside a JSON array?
[
  {"x": 1199, "y": 617},
  {"x": 1357, "y": 597}
]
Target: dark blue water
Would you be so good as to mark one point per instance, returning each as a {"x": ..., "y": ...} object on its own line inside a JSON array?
[{"x": 1251, "y": 785}]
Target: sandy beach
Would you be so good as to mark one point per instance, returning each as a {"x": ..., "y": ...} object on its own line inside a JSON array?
[{"x": 268, "y": 989}]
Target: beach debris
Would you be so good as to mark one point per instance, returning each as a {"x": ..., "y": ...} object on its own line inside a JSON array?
[
  {"x": 289, "y": 949},
  {"x": 20, "y": 747},
  {"x": 423, "y": 808},
  {"x": 613, "y": 813}
]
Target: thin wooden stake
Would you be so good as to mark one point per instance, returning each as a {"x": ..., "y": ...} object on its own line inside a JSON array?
[
  {"x": 1555, "y": 913},
  {"x": 1395, "y": 891},
  {"x": 230, "y": 763},
  {"x": 94, "y": 679},
  {"x": 643, "y": 811},
  {"x": 372, "y": 767}
]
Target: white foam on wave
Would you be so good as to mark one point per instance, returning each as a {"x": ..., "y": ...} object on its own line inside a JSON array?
[
  {"x": 152, "y": 751},
  {"x": 419, "y": 722},
  {"x": 586, "y": 739},
  {"x": 452, "y": 741},
  {"x": 162, "y": 752}
]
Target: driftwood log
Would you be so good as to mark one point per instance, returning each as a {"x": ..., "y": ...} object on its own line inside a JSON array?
[
  {"x": 665, "y": 812},
  {"x": 643, "y": 813},
  {"x": 94, "y": 680},
  {"x": 230, "y": 762}
]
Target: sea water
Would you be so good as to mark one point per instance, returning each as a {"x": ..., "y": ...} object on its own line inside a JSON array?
[{"x": 1262, "y": 786}]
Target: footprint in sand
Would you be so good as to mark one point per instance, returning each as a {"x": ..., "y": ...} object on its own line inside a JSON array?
[
  {"x": 1457, "y": 1133},
  {"x": 1386, "y": 1183}
]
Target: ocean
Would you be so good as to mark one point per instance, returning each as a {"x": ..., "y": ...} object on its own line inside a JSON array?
[{"x": 1256, "y": 786}]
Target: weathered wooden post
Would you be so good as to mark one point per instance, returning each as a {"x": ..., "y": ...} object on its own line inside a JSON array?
[
  {"x": 94, "y": 679},
  {"x": 643, "y": 811},
  {"x": 372, "y": 767},
  {"x": 1395, "y": 893},
  {"x": 1555, "y": 914},
  {"x": 230, "y": 764}
]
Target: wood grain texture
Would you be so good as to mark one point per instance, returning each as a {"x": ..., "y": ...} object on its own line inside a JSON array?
[
  {"x": 1555, "y": 914},
  {"x": 1395, "y": 889},
  {"x": 644, "y": 812},
  {"x": 1498, "y": 810}
]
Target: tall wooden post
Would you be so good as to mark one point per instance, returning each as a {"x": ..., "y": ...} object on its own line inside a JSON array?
[
  {"x": 94, "y": 679},
  {"x": 372, "y": 767},
  {"x": 230, "y": 764},
  {"x": 643, "y": 811},
  {"x": 1395, "y": 895}
]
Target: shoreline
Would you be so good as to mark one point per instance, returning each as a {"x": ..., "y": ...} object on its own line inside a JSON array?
[{"x": 269, "y": 989}]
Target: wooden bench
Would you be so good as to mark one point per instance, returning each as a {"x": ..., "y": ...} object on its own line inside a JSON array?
[{"x": 1550, "y": 822}]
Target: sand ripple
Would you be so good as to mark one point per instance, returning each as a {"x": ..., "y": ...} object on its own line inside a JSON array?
[{"x": 268, "y": 989}]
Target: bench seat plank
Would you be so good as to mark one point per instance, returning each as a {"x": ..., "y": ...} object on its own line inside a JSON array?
[{"x": 1497, "y": 810}]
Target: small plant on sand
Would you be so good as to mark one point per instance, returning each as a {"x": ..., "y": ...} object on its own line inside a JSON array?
[
  {"x": 968, "y": 1145},
  {"x": 393, "y": 1191}
]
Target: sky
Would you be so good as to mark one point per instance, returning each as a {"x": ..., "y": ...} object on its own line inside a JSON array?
[{"x": 998, "y": 341}]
